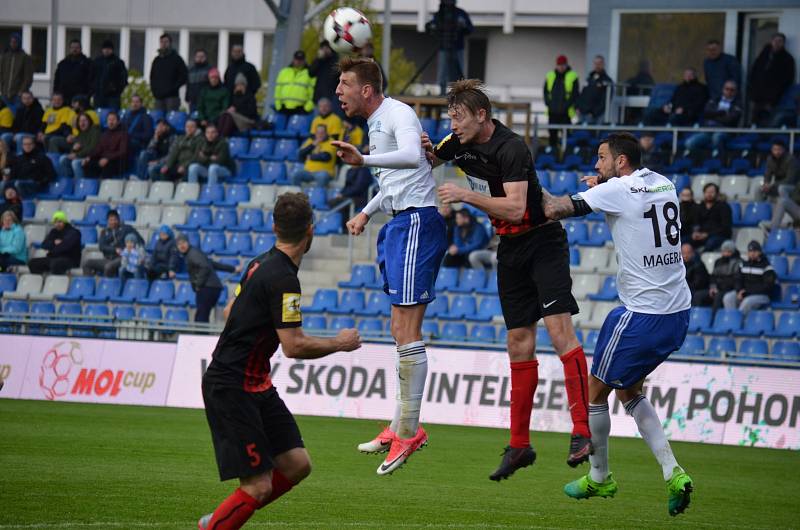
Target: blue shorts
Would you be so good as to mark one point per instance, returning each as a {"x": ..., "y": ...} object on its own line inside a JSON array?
[
  {"x": 410, "y": 250},
  {"x": 631, "y": 345}
]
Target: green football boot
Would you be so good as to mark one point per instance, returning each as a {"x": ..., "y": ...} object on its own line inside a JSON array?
[
  {"x": 679, "y": 487},
  {"x": 585, "y": 487}
]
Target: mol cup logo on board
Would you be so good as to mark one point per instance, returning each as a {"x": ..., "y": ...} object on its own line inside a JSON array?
[{"x": 57, "y": 365}]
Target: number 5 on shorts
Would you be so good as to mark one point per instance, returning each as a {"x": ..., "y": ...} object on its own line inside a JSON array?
[{"x": 255, "y": 457}]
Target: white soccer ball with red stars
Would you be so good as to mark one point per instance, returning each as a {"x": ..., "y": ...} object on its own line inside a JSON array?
[{"x": 346, "y": 30}]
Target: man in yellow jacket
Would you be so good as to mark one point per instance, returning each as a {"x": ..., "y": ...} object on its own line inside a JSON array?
[
  {"x": 294, "y": 87},
  {"x": 560, "y": 93},
  {"x": 319, "y": 155},
  {"x": 57, "y": 120}
]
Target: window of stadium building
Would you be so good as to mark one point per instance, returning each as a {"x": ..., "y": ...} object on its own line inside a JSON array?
[
  {"x": 205, "y": 41},
  {"x": 136, "y": 51},
  {"x": 99, "y": 36},
  {"x": 646, "y": 36},
  {"x": 39, "y": 51}
]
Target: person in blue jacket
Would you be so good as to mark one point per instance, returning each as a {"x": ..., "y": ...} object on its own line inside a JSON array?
[{"x": 468, "y": 236}]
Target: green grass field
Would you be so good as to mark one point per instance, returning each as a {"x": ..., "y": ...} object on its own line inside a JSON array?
[{"x": 69, "y": 465}]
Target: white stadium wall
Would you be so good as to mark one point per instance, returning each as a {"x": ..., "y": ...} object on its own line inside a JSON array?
[{"x": 709, "y": 403}]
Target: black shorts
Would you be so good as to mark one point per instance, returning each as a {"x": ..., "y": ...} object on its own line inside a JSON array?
[
  {"x": 248, "y": 429},
  {"x": 533, "y": 278}
]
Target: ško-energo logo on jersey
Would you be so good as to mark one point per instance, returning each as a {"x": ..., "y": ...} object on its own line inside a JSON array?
[{"x": 658, "y": 189}]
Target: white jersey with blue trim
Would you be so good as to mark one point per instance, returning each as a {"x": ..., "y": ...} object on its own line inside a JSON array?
[
  {"x": 403, "y": 173},
  {"x": 642, "y": 210}
]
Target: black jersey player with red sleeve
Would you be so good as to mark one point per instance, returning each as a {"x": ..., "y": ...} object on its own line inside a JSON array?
[
  {"x": 256, "y": 438},
  {"x": 533, "y": 276}
]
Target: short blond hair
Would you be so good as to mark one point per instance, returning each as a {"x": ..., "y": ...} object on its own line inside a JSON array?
[
  {"x": 367, "y": 71},
  {"x": 469, "y": 94}
]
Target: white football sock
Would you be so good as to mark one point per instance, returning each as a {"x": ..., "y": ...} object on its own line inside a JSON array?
[
  {"x": 600, "y": 425},
  {"x": 653, "y": 433},
  {"x": 396, "y": 420},
  {"x": 411, "y": 375}
]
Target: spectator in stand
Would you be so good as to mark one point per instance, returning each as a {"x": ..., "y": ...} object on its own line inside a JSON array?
[
  {"x": 110, "y": 77},
  {"x": 139, "y": 126},
  {"x": 591, "y": 104},
  {"x": 689, "y": 214},
  {"x": 652, "y": 157},
  {"x": 754, "y": 283},
  {"x": 468, "y": 236},
  {"x": 450, "y": 25},
  {"x": 80, "y": 105},
  {"x": 32, "y": 171},
  {"x": 63, "y": 245},
  {"x": 202, "y": 276},
  {"x": 356, "y": 188},
  {"x": 111, "y": 242},
  {"x": 782, "y": 171},
  {"x": 57, "y": 120},
  {"x": 642, "y": 82},
  {"x": 64, "y": 144},
  {"x": 788, "y": 202},
  {"x": 325, "y": 116},
  {"x": 686, "y": 106},
  {"x": 13, "y": 202},
  {"x": 696, "y": 273},
  {"x": 132, "y": 258},
  {"x": 27, "y": 120},
  {"x": 155, "y": 156},
  {"x": 82, "y": 146},
  {"x": 353, "y": 135},
  {"x": 182, "y": 152},
  {"x": 16, "y": 71},
  {"x": 320, "y": 160},
  {"x": 561, "y": 88},
  {"x": 714, "y": 219},
  {"x": 449, "y": 216},
  {"x": 6, "y": 118},
  {"x": 294, "y": 87},
  {"x": 167, "y": 75},
  {"x": 324, "y": 70},
  {"x": 214, "y": 99},
  {"x": 724, "y": 111},
  {"x": 723, "y": 278},
  {"x": 74, "y": 74},
  {"x": 197, "y": 79},
  {"x": 719, "y": 68},
  {"x": 242, "y": 115},
  {"x": 109, "y": 158},
  {"x": 772, "y": 73},
  {"x": 164, "y": 261},
  {"x": 212, "y": 160},
  {"x": 239, "y": 65},
  {"x": 7, "y": 161},
  {"x": 13, "y": 246}
]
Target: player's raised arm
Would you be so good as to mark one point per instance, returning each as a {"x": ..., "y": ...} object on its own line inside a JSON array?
[
  {"x": 297, "y": 345},
  {"x": 510, "y": 208}
]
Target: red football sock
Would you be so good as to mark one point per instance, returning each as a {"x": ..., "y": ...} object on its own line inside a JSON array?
[
  {"x": 576, "y": 381},
  {"x": 280, "y": 485},
  {"x": 234, "y": 511},
  {"x": 524, "y": 379}
]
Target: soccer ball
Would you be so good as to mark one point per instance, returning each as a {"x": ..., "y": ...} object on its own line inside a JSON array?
[
  {"x": 346, "y": 30},
  {"x": 56, "y": 367}
]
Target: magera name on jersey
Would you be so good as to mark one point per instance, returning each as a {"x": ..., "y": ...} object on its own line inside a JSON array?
[{"x": 657, "y": 260}]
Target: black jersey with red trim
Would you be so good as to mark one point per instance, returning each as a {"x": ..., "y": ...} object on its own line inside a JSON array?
[
  {"x": 268, "y": 299},
  {"x": 504, "y": 158}
]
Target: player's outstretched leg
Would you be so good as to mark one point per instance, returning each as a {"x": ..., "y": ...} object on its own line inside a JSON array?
[
  {"x": 598, "y": 482},
  {"x": 679, "y": 484}
]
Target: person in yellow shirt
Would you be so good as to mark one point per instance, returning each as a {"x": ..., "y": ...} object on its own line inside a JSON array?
[
  {"x": 320, "y": 159},
  {"x": 6, "y": 117},
  {"x": 57, "y": 120},
  {"x": 325, "y": 116},
  {"x": 353, "y": 134}
]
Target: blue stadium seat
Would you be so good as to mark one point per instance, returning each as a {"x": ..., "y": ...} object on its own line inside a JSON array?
[
  {"x": 755, "y": 212},
  {"x": 16, "y": 306},
  {"x": 790, "y": 298},
  {"x": 574, "y": 256},
  {"x": 370, "y": 327},
  {"x": 429, "y": 329},
  {"x": 43, "y": 309},
  {"x": 135, "y": 289},
  {"x": 88, "y": 235},
  {"x": 28, "y": 209},
  {"x": 297, "y": 127},
  {"x": 160, "y": 292},
  {"x": 700, "y": 319},
  {"x": 155, "y": 114},
  {"x": 788, "y": 326},
  {"x": 482, "y": 333},
  {"x": 177, "y": 120},
  {"x": 722, "y": 346},
  {"x": 447, "y": 278},
  {"x": 324, "y": 300},
  {"x": 591, "y": 340},
  {"x": 247, "y": 171},
  {"x": 350, "y": 301},
  {"x": 780, "y": 264},
  {"x": 786, "y": 351},
  {"x": 314, "y": 322},
  {"x": 726, "y": 321},
  {"x": 238, "y": 146},
  {"x": 330, "y": 224},
  {"x": 545, "y": 161},
  {"x": 794, "y": 272},
  {"x": 377, "y": 305},
  {"x": 177, "y": 315},
  {"x": 737, "y": 166},
  {"x": 342, "y": 323},
  {"x": 184, "y": 296},
  {"x": 127, "y": 212},
  {"x": 443, "y": 128},
  {"x": 69, "y": 309},
  {"x": 428, "y": 125},
  {"x": 273, "y": 173},
  {"x": 239, "y": 244},
  {"x": 599, "y": 235},
  {"x": 105, "y": 289},
  {"x": 150, "y": 313},
  {"x": 82, "y": 189},
  {"x": 193, "y": 236},
  {"x": 570, "y": 162},
  {"x": 679, "y": 165},
  {"x": 469, "y": 280},
  {"x": 235, "y": 194},
  {"x": 754, "y": 349},
  {"x": 198, "y": 218},
  {"x": 694, "y": 345},
  {"x": 462, "y": 306},
  {"x": 213, "y": 242},
  {"x": 224, "y": 218},
  {"x": 96, "y": 310},
  {"x": 79, "y": 287},
  {"x": 491, "y": 284},
  {"x": 8, "y": 282},
  {"x": 577, "y": 232},
  {"x": 95, "y": 215},
  {"x": 608, "y": 291},
  {"x": 780, "y": 240},
  {"x": 209, "y": 194},
  {"x": 62, "y": 186},
  {"x": 680, "y": 180},
  {"x": 276, "y": 120},
  {"x": 124, "y": 312},
  {"x": 439, "y": 306},
  {"x": 261, "y": 244},
  {"x": 708, "y": 166},
  {"x": 543, "y": 338},
  {"x": 661, "y": 95},
  {"x": 285, "y": 149},
  {"x": 318, "y": 197},
  {"x": 757, "y": 323},
  {"x": 360, "y": 276},
  {"x": 454, "y": 332},
  {"x": 250, "y": 219},
  {"x": 259, "y": 148},
  {"x": 487, "y": 309},
  {"x": 564, "y": 183}
]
